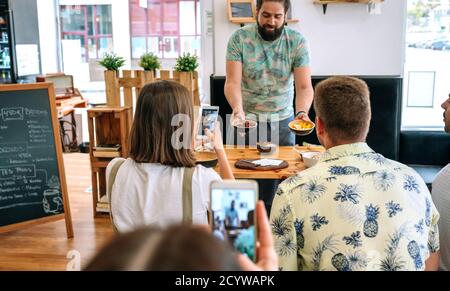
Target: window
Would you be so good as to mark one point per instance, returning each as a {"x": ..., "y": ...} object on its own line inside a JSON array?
[
  {"x": 167, "y": 28},
  {"x": 86, "y": 31},
  {"x": 427, "y": 67},
  {"x": 92, "y": 25}
]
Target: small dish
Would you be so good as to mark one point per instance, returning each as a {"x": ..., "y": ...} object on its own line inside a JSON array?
[
  {"x": 310, "y": 158},
  {"x": 265, "y": 147}
]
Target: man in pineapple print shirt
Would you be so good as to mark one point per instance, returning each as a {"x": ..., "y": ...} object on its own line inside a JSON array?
[{"x": 355, "y": 209}]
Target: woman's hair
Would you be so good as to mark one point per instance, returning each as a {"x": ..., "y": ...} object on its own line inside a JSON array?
[
  {"x": 178, "y": 248},
  {"x": 152, "y": 132}
]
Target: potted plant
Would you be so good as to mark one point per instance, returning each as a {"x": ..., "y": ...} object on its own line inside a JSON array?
[
  {"x": 112, "y": 62},
  {"x": 150, "y": 62},
  {"x": 186, "y": 63},
  {"x": 185, "y": 67}
]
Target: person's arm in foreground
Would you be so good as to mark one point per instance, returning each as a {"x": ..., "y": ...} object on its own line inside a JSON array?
[
  {"x": 224, "y": 165},
  {"x": 432, "y": 263},
  {"x": 267, "y": 259}
]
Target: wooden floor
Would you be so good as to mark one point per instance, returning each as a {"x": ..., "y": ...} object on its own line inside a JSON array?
[{"x": 46, "y": 247}]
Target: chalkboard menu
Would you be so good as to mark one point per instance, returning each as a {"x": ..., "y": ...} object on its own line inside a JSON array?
[{"x": 32, "y": 180}]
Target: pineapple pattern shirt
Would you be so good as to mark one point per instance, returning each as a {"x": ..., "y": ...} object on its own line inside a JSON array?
[
  {"x": 267, "y": 69},
  {"x": 354, "y": 210}
]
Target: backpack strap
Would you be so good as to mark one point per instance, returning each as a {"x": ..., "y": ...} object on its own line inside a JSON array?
[
  {"x": 187, "y": 195},
  {"x": 111, "y": 180}
]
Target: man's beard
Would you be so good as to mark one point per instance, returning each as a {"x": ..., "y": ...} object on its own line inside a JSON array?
[
  {"x": 446, "y": 124},
  {"x": 269, "y": 35}
]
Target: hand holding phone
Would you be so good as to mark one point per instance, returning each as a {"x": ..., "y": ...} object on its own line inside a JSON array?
[
  {"x": 215, "y": 137},
  {"x": 267, "y": 259},
  {"x": 233, "y": 214}
]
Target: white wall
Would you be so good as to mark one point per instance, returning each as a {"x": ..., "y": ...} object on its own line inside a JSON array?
[
  {"x": 48, "y": 36},
  {"x": 207, "y": 54},
  {"x": 345, "y": 41}
]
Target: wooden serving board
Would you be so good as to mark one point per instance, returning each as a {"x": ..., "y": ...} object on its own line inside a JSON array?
[{"x": 247, "y": 164}]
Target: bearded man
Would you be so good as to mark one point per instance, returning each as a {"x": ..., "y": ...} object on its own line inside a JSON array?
[{"x": 263, "y": 61}]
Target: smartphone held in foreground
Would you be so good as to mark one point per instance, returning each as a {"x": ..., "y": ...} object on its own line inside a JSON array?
[{"x": 233, "y": 213}]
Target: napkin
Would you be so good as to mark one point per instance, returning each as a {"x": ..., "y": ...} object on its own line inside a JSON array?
[{"x": 267, "y": 162}]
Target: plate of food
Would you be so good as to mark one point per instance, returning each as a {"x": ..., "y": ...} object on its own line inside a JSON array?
[{"x": 301, "y": 127}]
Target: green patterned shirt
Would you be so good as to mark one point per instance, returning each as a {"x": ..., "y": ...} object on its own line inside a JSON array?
[{"x": 267, "y": 77}]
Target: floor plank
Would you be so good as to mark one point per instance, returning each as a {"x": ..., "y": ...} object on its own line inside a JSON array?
[{"x": 46, "y": 247}]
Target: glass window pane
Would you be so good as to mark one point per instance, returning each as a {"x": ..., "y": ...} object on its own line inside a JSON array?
[
  {"x": 90, "y": 20},
  {"x": 137, "y": 47},
  {"x": 427, "y": 63},
  {"x": 72, "y": 18},
  {"x": 92, "y": 47},
  {"x": 170, "y": 24},
  {"x": 155, "y": 46},
  {"x": 105, "y": 44},
  {"x": 190, "y": 44},
  {"x": 199, "y": 17},
  {"x": 187, "y": 14},
  {"x": 138, "y": 19},
  {"x": 170, "y": 47},
  {"x": 154, "y": 18},
  {"x": 104, "y": 19}
]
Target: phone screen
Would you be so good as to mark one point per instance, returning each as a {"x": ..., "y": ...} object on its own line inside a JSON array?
[
  {"x": 208, "y": 119},
  {"x": 233, "y": 217}
]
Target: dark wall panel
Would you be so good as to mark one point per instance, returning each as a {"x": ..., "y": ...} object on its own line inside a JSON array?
[{"x": 425, "y": 147}]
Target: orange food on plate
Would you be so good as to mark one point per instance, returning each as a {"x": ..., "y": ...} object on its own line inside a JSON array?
[{"x": 301, "y": 125}]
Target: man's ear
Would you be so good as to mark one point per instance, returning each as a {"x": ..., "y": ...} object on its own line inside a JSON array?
[{"x": 320, "y": 127}]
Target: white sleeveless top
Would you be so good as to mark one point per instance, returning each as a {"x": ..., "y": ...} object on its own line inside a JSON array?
[{"x": 151, "y": 194}]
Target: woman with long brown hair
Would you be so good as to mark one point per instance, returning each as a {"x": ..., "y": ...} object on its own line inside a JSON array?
[{"x": 160, "y": 183}]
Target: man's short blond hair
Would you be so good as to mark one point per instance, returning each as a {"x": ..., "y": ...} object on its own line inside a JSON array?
[{"x": 343, "y": 104}]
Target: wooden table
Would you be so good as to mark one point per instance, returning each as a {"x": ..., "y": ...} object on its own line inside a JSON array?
[{"x": 284, "y": 153}]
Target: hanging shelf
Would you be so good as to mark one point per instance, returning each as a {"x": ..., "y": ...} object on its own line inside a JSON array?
[{"x": 325, "y": 3}]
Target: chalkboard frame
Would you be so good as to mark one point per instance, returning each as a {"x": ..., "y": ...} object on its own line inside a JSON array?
[
  {"x": 247, "y": 18},
  {"x": 66, "y": 215}
]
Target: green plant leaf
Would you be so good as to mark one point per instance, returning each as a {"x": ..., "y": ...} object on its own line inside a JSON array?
[
  {"x": 186, "y": 63},
  {"x": 150, "y": 62},
  {"x": 112, "y": 61}
]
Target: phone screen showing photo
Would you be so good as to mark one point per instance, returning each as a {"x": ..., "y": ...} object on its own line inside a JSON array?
[
  {"x": 233, "y": 218},
  {"x": 208, "y": 120}
]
